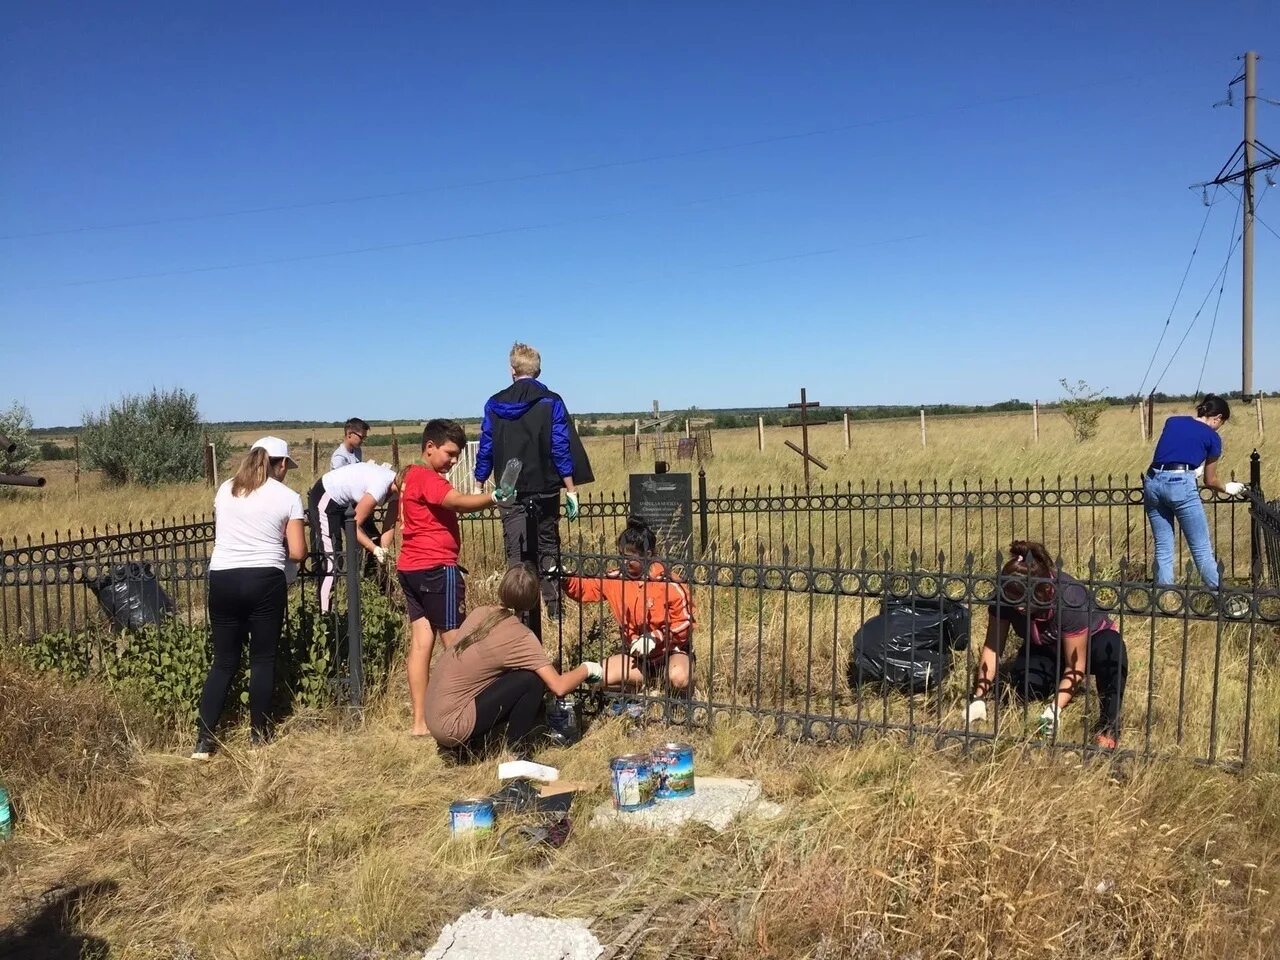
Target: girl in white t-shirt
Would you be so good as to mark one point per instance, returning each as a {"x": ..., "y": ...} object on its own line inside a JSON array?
[{"x": 257, "y": 530}]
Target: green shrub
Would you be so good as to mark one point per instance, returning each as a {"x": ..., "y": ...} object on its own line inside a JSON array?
[
  {"x": 152, "y": 439},
  {"x": 1082, "y": 406},
  {"x": 16, "y": 424},
  {"x": 55, "y": 451},
  {"x": 164, "y": 667}
]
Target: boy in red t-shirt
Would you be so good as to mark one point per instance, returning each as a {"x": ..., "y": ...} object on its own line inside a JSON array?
[{"x": 434, "y": 591}]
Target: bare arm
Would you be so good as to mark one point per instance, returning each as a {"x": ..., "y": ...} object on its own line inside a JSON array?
[
  {"x": 364, "y": 510},
  {"x": 295, "y": 541},
  {"x": 997, "y": 632},
  {"x": 1075, "y": 646},
  {"x": 467, "y": 502},
  {"x": 568, "y": 484},
  {"x": 562, "y": 683},
  {"x": 1211, "y": 476}
]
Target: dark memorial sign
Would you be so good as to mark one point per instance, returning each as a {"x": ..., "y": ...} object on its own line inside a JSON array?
[{"x": 665, "y": 502}]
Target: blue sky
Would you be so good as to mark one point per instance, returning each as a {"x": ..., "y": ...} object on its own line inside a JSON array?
[{"x": 708, "y": 204}]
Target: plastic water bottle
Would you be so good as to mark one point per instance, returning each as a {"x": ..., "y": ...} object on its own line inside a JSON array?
[
  {"x": 511, "y": 473},
  {"x": 6, "y": 814}
]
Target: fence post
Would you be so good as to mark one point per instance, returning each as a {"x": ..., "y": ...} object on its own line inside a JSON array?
[
  {"x": 355, "y": 623},
  {"x": 759, "y": 433},
  {"x": 1255, "y": 540},
  {"x": 1151, "y": 418},
  {"x": 315, "y": 457},
  {"x": 1257, "y": 402},
  {"x": 395, "y": 449},
  {"x": 1035, "y": 420},
  {"x": 702, "y": 508},
  {"x": 846, "y": 430},
  {"x": 210, "y": 477},
  {"x": 924, "y": 443}
]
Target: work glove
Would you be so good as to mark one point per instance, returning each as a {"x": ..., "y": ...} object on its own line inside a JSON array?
[
  {"x": 504, "y": 495},
  {"x": 976, "y": 711},
  {"x": 643, "y": 645},
  {"x": 595, "y": 672},
  {"x": 380, "y": 554},
  {"x": 1233, "y": 488},
  {"x": 1048, "y": 722},
  {"x": 571, "y": 505}
]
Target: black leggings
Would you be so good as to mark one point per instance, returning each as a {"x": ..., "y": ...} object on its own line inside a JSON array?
[
  {"x": 509, "y": 709},
  {"x": 246, "y": 604},
  {"x": 1037, "y": 674}
]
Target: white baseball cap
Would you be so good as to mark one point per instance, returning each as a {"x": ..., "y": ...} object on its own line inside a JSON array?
[{"x": 276, "y": 449}]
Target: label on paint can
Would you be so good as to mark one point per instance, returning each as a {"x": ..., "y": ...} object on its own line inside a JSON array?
[
  {"x": 633, "y": 781},
  {"x": 470, "y": 816},
  {"x": 673, "y": 769}
]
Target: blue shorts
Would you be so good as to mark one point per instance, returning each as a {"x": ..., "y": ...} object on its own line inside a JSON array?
[{"x": 438, "y": 593}]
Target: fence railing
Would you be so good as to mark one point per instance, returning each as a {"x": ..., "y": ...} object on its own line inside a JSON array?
[
  {"x": 774, "y": 640},
  {"x": 781, "y": 583}
]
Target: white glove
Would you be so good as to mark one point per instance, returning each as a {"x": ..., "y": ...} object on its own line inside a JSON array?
[
  {"x": 571, "y": 505},
  {"x": 1233, "y": 488},
  {"x": 380, "y": 554},
  {"x": 1049, "y": 719},
  {"x": 643, "y": 645},
  {"x": 595, "y": 672},
  {"x": 977, "y": 711}
]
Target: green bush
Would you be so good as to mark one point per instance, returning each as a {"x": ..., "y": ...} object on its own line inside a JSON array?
[
  {"x": 54, "y": 451},
  {"x": 16, "y": 424},
  {"x": 163, "y": 668},
  {"x": 152, "y": 439}
]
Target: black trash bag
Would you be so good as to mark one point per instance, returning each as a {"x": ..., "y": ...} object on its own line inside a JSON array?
[
  {"x": 909, "y": 644},
  {"x": 132, "y": 597}
]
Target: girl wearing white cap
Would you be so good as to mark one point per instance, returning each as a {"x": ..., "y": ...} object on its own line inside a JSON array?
[{"x": 257, "y": 528}]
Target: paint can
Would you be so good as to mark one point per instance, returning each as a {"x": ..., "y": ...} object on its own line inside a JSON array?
[
  {"x": 673, "y": 768},
  {"x": 633, "y": 781},
  {"x": 473, "y": 815}
]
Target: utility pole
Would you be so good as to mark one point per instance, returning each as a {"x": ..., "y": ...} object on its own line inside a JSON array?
[
  {"x": 1246, "y": 292},
  {"x": 1246, "y": 153}
]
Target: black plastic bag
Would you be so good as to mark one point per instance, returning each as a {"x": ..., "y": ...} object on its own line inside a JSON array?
[
  {"x": 908, "y": 646},
  {"x": 132, "y": 597}
]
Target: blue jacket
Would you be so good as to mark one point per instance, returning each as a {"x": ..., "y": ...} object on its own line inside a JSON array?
[{"x": 530, "y": 422}]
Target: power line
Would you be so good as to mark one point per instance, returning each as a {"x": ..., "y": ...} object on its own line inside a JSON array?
[
  {"x": 404, "y": 245},
  {"x": 581, "y": 168},
  {"x": 1218, "y": 281},
  {"x": 1178, "y": 296}
]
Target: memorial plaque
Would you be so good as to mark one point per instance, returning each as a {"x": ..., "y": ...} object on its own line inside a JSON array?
[{"x": 665, "y": 502}]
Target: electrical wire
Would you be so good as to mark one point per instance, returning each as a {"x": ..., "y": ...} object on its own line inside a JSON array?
[
  {"x": 1218, "y": 281},
  {"x": 1178, "y": 296},
  {"x": 580, "y": 168}
]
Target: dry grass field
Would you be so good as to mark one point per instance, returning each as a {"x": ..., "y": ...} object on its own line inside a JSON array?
[
  {"x": 333, "y": 843},
  {"x": 958, "y": 449}
]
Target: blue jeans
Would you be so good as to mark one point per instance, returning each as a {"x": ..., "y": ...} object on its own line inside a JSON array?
[{"x": 1168, "y": 496}]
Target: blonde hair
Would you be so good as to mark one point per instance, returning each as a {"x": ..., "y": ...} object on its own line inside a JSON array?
[
  {"x": 253, "y": 473},
  {"x": 517, "y": 593},
  {"x": 525, "y": 361}
]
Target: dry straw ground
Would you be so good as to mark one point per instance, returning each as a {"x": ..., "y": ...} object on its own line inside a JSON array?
[{"x": 333, "y": 843}]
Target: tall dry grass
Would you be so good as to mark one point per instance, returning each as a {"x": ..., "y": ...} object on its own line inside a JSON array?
[
  {"x": 333, "y": 844},
  {"x": 959, "y": 448}
]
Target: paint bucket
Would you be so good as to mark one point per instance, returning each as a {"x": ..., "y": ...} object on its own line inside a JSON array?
[
  {"x": 633, "y": 781},
  {"x": 474, "y": 815},
  {"x": 673, "y": 768}
]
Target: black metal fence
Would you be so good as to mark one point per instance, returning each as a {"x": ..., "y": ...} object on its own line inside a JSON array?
[
  {"x": 774, "y": 641},
  {"x": 781, "y": 583}
]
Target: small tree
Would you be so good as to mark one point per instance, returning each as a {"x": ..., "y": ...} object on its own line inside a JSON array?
[
  {"x": 16, "y": 424},
  {"x": 1082, "y": 406},
  {"x": 148, "y": 439}
]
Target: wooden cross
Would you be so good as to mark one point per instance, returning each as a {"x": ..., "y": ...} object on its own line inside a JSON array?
[{"x": 803, "y": 406}]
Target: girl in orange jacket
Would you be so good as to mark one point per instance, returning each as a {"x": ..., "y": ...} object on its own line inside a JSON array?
[{"x": 654, "y": 611}]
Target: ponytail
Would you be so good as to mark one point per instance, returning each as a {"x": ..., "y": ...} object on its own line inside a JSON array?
[
  {"x": 1213, "y": 405},
  {"x": 253, "y": 473}
]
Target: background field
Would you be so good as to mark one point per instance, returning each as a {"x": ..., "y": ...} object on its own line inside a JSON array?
[{"x": 959, "y": 448}]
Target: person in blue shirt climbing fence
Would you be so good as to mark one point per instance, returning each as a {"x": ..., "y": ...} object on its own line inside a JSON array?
[{"x": 1170, "y": 495}]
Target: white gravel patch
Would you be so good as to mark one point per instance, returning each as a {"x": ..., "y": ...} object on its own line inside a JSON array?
[
  {"x": 491, "y": 935},
  {"x": 716, "y": 801}
]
